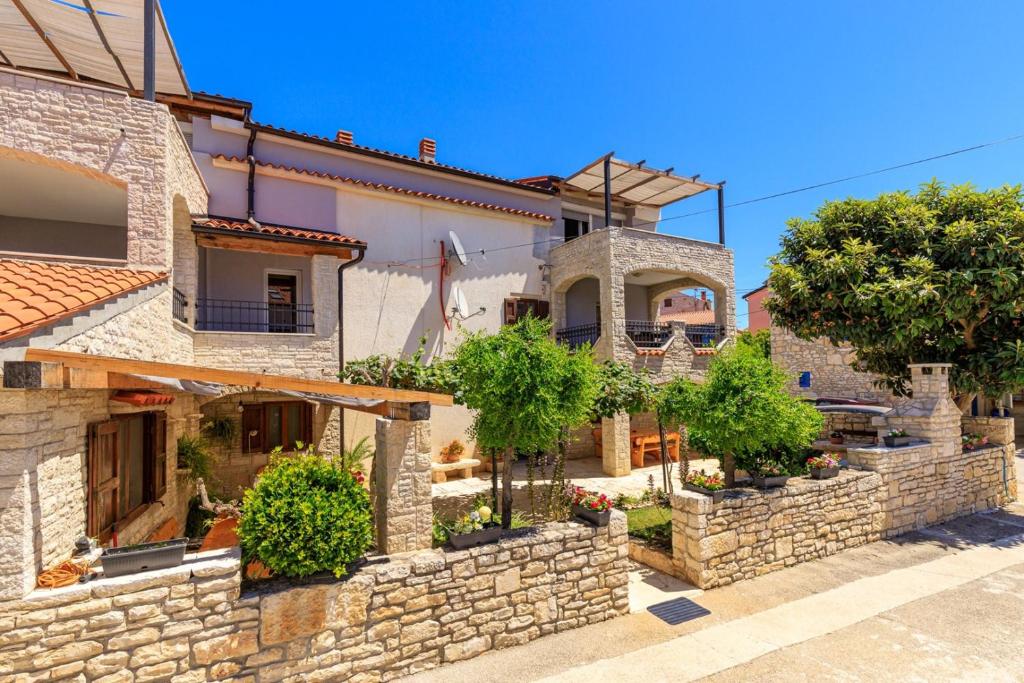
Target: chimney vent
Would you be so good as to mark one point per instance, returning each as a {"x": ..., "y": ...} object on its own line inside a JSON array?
[
  {"x": 344, "y": 137},
  {"x": 428, "y": 150}
]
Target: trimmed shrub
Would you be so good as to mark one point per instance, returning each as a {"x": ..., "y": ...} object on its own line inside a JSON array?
[{"x": 305, "y": 515}]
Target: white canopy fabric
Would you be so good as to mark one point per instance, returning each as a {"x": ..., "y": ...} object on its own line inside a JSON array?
[
  {"x": 217, "y": 389},
  {"x": 636, "y": 183},
  {"x": 97, "y": 39}
]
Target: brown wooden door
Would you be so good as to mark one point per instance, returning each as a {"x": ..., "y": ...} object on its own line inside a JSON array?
[{"x": 103, "y": 477}]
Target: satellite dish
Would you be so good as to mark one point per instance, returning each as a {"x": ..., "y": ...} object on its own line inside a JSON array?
[
  {"x": 457, "y": 249},
  {"x": 460, "y": 307}
]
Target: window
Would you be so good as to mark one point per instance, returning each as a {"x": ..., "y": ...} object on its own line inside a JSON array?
[
  {"x": 127, "y": 468},
  {"x": 667, "y": 303},
  {"x": 282, "y": 297},
  {"x": 265, "y": 426},
  {"x": 575, "y": 227},
  {"x": 516, "y": 308}
]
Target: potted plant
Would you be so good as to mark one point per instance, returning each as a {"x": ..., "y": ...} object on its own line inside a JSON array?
[
  {"x": 453, "y": 451},
  {"x": 474, "y": 528},
  {"x": 591, "y": 506},
  {"x": 896, "y": 437},
  {"x": 712, "y": 485},
  {"x": 131, "y": 559},
  {"x": 972, "y": 441},
  {"x": 769, "y": 475},
  {"x": 823, "y": 466},
  {"x": 835, "y": 438}
]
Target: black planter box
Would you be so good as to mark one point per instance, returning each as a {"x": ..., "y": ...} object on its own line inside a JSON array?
[
  {"x": 593, "y": 517},
  {"x": 489, "y": 534},
  {"x": 131, "y": 559},
  {"x": 824, "y": 472},
  {"x": 715, "y": 496},
  {"x": 896, "y": 441},
  {"x": 769, "y": 482}
]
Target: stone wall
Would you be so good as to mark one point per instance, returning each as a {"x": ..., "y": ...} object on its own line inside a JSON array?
[
  {"x": 829, "y": 365},
  {"x": 755, "y": 532},
  {"x": 43, "y": 447},
  {"x": 392, "y": 617}
]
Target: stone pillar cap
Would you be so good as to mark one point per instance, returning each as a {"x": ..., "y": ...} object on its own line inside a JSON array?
[{"x": 930, "y": 365}]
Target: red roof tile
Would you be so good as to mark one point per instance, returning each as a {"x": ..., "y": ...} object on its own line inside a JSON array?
[
  {"x": 33, "y": 294},
  {"x": 271, "y": 230},
  {"x": 382, "y": 187}
]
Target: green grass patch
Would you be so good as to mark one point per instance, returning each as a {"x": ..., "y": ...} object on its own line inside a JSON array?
[{"x": 651, "y": 525}]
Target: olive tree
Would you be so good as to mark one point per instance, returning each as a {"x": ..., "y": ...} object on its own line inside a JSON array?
[
  {"x": 936, "y": 276},
  {"x": 523, "y": 389}
]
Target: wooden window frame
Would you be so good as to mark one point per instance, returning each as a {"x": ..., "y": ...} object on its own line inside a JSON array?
[
  {"x": 154, "y": 468},
  {"x": 541, "y": 308},
  {"x": 259, "y": 444}
]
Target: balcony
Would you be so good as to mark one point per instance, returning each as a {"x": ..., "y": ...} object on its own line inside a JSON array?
[
  {"x": 704, "y": 336},
  {"x": 226, "y": 315},
  {"x": 647, "y": 334},
  {"x": 578, "y": 335}
]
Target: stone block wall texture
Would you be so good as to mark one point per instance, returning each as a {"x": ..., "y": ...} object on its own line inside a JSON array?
[
  {"x": 755, "y": 532},
  {"x": 106, "y": 131},
  {"x": 829, "y": 365},
  {"x": 43, "y": 448},
  {"x": 387, "y": 619},
  {"x": 402, "y": 490}
]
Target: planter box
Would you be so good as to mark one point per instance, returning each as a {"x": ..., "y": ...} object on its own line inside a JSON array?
[
  {"x": 715, "y": 496},
  {"x": 131, "y": 559},
  {"x": 836, "y": 440},
  {"x": 824, "y": 472},
  {"x": 489, "y": 534},
  {"x": 897, "y": 441},
  {"x": 592, "y": 517},
  {"x": 769, "y": 482}
]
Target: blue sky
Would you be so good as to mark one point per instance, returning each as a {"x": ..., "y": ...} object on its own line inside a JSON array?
[{"x": 769, "y": 96}]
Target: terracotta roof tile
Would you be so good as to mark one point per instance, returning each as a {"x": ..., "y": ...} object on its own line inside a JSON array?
[
  {"x": 382, "y": 187},
  {"x": 689, "y": 317},
  {"x": 269, "y": 229},
  {"x": 405, "y": 158},
  {"x": 33, "y": 294}
]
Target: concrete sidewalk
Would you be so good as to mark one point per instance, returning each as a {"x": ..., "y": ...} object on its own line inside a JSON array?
[{"x": 864, "y": 614}]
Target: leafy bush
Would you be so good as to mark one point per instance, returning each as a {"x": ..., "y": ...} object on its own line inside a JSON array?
[
  {"x": 305, "y": 515},
  {"x": 742, "y": 412},
  {"x": 194, "y": 455},
  {"x": 400, "y": 372},
  {"x": 622, "y": 390},
  {"x": 759, "y": 342}
]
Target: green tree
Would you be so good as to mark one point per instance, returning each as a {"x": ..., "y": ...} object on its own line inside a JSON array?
[
  {"x": 620, "y": 389},
  {"x": 741, "y": 409},
  {"x": 912, "y": 278},
  {"x": 760, "y": 341},
  {"x": 524, "y": 389}
]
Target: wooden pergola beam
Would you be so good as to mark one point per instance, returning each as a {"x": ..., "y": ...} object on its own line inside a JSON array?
[
  {"x": 257, "y": 380},
  {"x": 45, "y": 38}
]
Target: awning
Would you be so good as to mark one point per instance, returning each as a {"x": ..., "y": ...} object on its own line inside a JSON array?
[
  {"x": 219, "y": 232},
  {"x": 100, "y": 40},
  {"x": 637, "y": 184}
]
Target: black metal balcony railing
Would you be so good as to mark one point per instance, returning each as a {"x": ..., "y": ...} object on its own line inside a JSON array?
[
  {"x": 578, "y": 335},
  {"x": 648, "y": 335},
  {"x": 703, "y": 336},
  {"x": 179, "y": 305},
  {"x": 224, "y": 315}
]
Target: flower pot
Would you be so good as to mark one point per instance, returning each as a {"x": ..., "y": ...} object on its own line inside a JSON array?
[
  {"x": 592, "y": 517},
  {"x": 131, "y": 559},
  {"x": 896, "y": 441},
  {"x": 770, "y": 482},
  {"x": 489, "y": 534},
  {"x": 715, "y": 496},
  {"x": 824, "y": 472}
]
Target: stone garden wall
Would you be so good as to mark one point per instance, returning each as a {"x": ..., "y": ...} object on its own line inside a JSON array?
[
  {"x": 754, "y": 532},
  {"x": 394, "y": 617}
]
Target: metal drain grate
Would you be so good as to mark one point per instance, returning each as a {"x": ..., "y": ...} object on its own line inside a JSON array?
[{"x": 678, "y": 610}]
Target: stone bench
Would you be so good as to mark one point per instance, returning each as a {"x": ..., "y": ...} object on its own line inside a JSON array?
[{"x": 439, "y": 470}]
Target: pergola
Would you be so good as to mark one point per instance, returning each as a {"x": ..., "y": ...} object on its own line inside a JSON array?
[
  {"x": 119, "y": 42},
  {"x": 638, "y": 184}
]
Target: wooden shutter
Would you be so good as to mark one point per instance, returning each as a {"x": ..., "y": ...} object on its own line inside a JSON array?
[
  {"x": 510, "y": 311},
  {"x": 543, "y": 310},
  {"x": 102, "y": 477},
  {"x": 307, "y": 423},
  {"x": 252, "y": 420},
  {"x": 156, "y": 457}
]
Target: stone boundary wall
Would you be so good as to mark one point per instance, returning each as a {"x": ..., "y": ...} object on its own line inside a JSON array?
[
  {"x": 829, "y": 365},
  {"x": 406, "y": 614},
  {"x": 754, "y": 532}
]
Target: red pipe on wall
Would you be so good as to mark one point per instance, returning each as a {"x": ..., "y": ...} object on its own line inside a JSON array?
[{"x": 440, "y": 288}]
